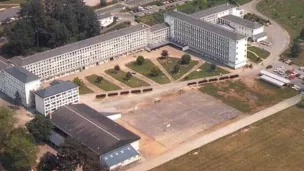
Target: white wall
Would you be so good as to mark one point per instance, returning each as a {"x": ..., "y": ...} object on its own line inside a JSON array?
[
  {"x": 30, "y": 88},
  {"x": 106, "y": 21},
  {"x": 40, "y": 105},
  {"x": 135, "y": 145},
  {"x": 237, "y": 53}
]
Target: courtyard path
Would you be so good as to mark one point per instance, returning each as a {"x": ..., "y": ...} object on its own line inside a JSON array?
[
  {"x": 200, "y": 63},
  {"x": 217, "y": 134},
  {"x": 113, "y": 80},
  {"x": 154, "y": 60}
]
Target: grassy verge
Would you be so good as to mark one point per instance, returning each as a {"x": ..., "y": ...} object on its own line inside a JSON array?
[
  {"x": 145, "y": 69},
  {"x": 253, "y": 58},
  {"x": 272, "y": 144},
  {"x": 104, "y": 84},
  {"x": 171, "y": 62},
  {"x": 248, "y": 96},
  {"x": 85, "y": 90},
  {"x": 260, "y": 52},
  {"x": 121, "y": 75},
  {"x": 204, "y": 71}
]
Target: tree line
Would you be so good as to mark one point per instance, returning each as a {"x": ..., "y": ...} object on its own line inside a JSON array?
[{"x": 50, "y": 24}]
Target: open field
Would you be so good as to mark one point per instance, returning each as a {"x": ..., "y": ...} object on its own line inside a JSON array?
[
  {"x": 121, "y": 76},
  {"x": 145, "y": 69},
  {"x": 104, "y": 84},
  {"x": 272, "y": 144},
  {"x": 169, "y": 64},
  {"x": 85, "y": 90},
  {"x": 204, "y": 71},
  {"x": 248, "y": 95}
]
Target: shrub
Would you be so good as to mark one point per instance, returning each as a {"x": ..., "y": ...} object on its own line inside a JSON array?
[
  {"x": 212, "y": 67},
  {"x": 176, "y": 68},
  {"x": 186, "y": 59},
  {"x": 116, "y": 68},
  {"x": 154, "y": 72},
  {"x": 128, "y": 76},
  {"x": 140, "y": 60},
  {"x": 98, "y": 79}
]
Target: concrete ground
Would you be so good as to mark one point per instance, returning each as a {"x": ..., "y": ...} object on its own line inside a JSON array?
[{"x": 172, "y": 121}]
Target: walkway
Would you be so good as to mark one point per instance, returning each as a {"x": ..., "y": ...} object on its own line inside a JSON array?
[
  {"x": 154, "y": 60},
  {"x": 200, "y": 63},
  {"x": 208, "y": 138},
  {"x": 114, "y": 81}
]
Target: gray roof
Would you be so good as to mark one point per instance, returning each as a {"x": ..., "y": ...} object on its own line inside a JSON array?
[
  {"x": 212, "y": 10},
  {"x": 56, "y": 138},
  {"x": 159, "y": 27},
  {"x": 260, "y": 35},
  {"x": 119, "y": 155},
  {"x": 21, "y": 74},
  {"x": 9, "y": 13},
  {"x": 22, "y": 61},
  {"x": 92, "y": 129},
  {"x": 102, "y": 16},
  {"x": 205, "y": 25},
  {"x": 3, "y": 63},
  {"x": 243, "y": 22},
  {"x": 56, "y": 89}
]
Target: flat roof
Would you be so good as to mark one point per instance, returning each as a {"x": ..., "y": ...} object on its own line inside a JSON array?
[
  {"x": 274, "y": 76},
  {"x": 159, "y": 27},
  {"x": 260, "y": 35},
  {"x": 207, "y": 26},
  {"x": 213, "y": 10},
  {"x": 102, "y": 16},
  {"x": 272, "y": 80},
  {"x": 3, "y": 63},
  {"x": 56, "y": 89},
  {"x": 21, "y": 74},
  {"x": 108, "y": 9},
  {"x": 9, "y": 13},
  {"x": 243, "y": 22},
  {"x": 92, "y": 129},
  {"x": 22, "y": 61}
]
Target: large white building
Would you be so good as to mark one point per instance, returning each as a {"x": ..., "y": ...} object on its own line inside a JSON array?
[
  {"x": 209, "y": 39},
  {"x": 105, "y": 19},
  {"x": 60, "y": 93}
]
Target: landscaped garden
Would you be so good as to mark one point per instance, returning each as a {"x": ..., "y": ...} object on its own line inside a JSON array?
[
  {"x": 126, "y": 78},
  {"x": 82, "y": 88},
  {"x": 102, "y": 83},
  {"x": 148, "y": 69},
  {"x": 206, "y": 70}
]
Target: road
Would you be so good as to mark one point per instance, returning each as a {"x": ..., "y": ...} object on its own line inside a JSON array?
[{"x": 219, "y": 133}]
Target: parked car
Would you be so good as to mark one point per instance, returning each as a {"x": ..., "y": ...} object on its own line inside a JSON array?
[{"x": 269, "y": 66}]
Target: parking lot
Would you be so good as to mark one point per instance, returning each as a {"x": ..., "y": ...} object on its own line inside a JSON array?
[{"x": 173, "y": 121}]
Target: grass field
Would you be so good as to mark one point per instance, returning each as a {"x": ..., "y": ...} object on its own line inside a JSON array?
[
  {"x": 171, "y": 62},
  {"x": 260, "y": 52},
  {"x": 104, "y": 84},
  {"x": 120, "y": 76},
  {"x": 85, "y": 90},
  {"x": 145, "y": 69},
  {"x": 272, "y": 144},
  {"x": 204, "y": 71},
  {"x": 253, "y": 57},
  {"x": 247, "y": 95}
]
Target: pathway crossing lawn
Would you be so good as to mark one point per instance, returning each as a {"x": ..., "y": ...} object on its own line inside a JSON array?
[
  {"x": 253, "y": 57},
  {"x": 260, "y": 52},
  {"x": 104, "y": 84},
  {"x": 145, "y": 69},
  {"x": 120, "y": 76},
  {"x": 204, "y": 71},
  {"x": 85, "y": 90},
  {"x": 171, "y": 62},
  {"x": 248, "y": 95},
  {"x": 272, "y": 144}
]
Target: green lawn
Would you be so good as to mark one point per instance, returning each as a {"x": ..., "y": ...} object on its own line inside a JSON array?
[
  {"x": 204, "y": 71},
  {"x": 104, "y": 84},
  {"x": 145, "y": 69},
  {"x": 120, "y": 76},
  {"x": 260, "y": 52},
  {"x": 253, "y": 58},
  {"x": 13, "y": 2},
  {"x": 247, "y": 96},
  {"x": 85, "y": 90},
  {"x": 171, "y": 62},
  {"x": 272, "y": 144}
]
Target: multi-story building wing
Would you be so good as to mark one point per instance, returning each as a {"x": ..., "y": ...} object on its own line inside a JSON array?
[
  {"x": 60, "y": 93},
  {"x": 212, "y": 15},
  {"x": 86, "y": 53},
  {"x": 218, "y": 43},
  {"x": 159, "y": 35},
  {"x": 18, "y": 79}
]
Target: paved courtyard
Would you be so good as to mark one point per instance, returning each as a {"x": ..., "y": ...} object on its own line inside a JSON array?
[{"x": 173, "y": 121}]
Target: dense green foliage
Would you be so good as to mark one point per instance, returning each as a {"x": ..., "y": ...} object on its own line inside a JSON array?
[
  {"x": 140, "y": 60},
  {"x": 49, "y": 24},
  {"x": 40, "y": 127},
  {"x": 186, "y": 59},
  {"x": 295, "y": 49}
]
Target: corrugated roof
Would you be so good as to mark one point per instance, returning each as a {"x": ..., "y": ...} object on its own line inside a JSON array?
[
  {"x": 56, "y": 89},
  {"x": 212, "y": 10},
  {"x": 274, "y": 76},
  {"x": 272, "y": 80},
  {"x": 119, "y": 155},
  {"x": 159, "y": 27},
  {"x": 92, "y": 129},
  {"x": 21, "y": 74},
  {"x": 243, "y": 22},
  {"x": 56, "y": 138},
  {"x": 205, "y": 25},
  {"x": 9, "y": 13},
  {"x": 22, "y": 61}
]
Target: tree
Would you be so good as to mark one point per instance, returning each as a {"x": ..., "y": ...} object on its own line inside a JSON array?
[
  {"x": 140, "y": 60},
  {"x": 212, "y": 67},
  {"x": 103, "y": 3},
  {"x": 295, "y": 49},
  {"x": 7, "y": 121},
  {"x": 18, "y": 100},
  {"x": 20, "y": 150},
  {"x": 40, "y": 127},
  {"x": 176, "y": 68},
  {"x": 78, "y": 82},
  {"x": 116, "y": 68},
  {"x": 128, "y": 76},
  {"x": 98, "y": 79},
  {"x": 302, "y": 34},
  {"x": 48, "y": 162},
  {"x": 186, "y": 59},
  {"x": 154, "y": 72},
  {"x": 164, "y": 54}
]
